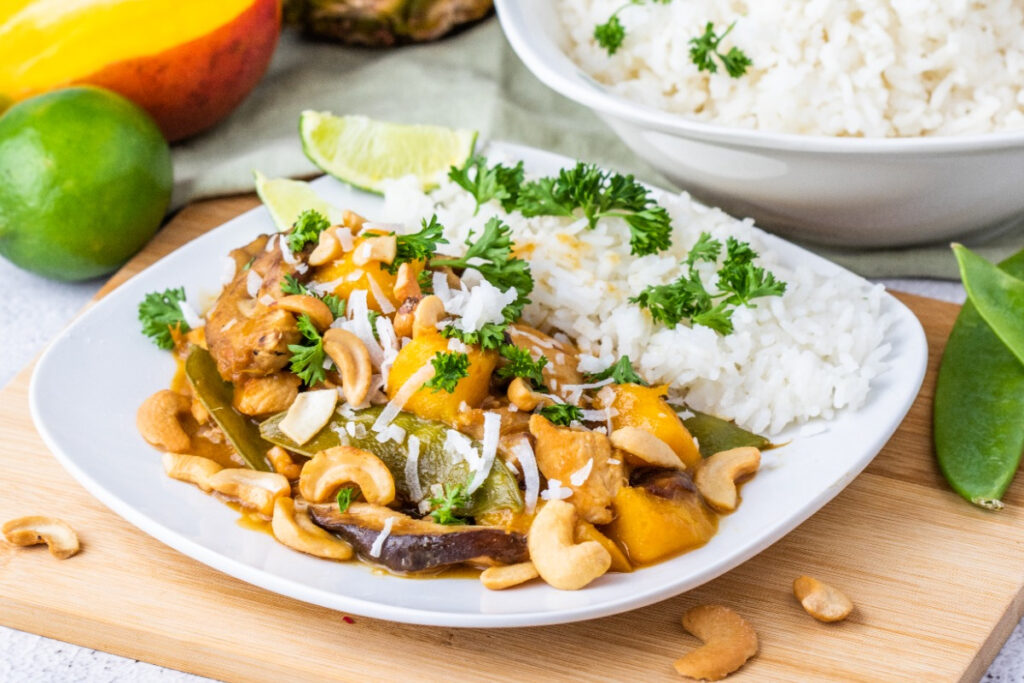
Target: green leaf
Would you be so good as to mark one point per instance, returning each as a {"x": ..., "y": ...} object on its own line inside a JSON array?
[
  {"x": 521, "y": 364},
  {"x": 610, "y": 34},
  {"x": 449, "y": 368},
  {"x": 161, "y": 311},
  {"x": 704, "y": 48},
  {"x": 490, "y": 336},
  {"x": 563, "y": 414},
  {"x": 306, "y": 229},
  {"x": 486, "y": 183},
  {"x": 620, "y": 372},
  {"x": 345, "y": 497},
  {"x": 307, "y": 359},
  {"x": 419, "y": 246},
  {"x": 452, "y": 500}
]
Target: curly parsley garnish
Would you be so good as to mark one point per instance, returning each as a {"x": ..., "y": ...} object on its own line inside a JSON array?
[
  {"x": 739, "y": 283},
  {"x": 485, "y": 182},
  {"x": 308, "y": 358},
  {"x": 704, "y": 48},
  {"x": 336, "y": 304},
  {"x": 452, "y": 499},
  {"x": 601, "y": 194},
  {"x": 161, "y": 311},
  {"x": 345, "y": 497},
  {"x": 449, "y": 368},
  {"x": 620, "y": 372},
  {"x": 562, "y": 414},
  {"x": 610, "y": 34},
  {"x": 419, "y": 246},
  {"x": 521, "y": 364},
  {"x": 490, "y": 336},
  {"x": 306, "y": 229}
]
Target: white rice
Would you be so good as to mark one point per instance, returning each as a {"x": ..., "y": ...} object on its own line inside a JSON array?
[
  {"x": 791, "y": 359},
  {"x": 864, "y": 68}
]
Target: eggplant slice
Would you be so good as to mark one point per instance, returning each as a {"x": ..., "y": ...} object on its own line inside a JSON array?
[{"x": 416, "y": 545}]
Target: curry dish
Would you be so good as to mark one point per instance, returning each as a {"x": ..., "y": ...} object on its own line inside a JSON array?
[{"x": 375, "y": 400}]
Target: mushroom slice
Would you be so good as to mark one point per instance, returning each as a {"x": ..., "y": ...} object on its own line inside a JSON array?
[
  {"x": 414, "y": 545},
  {"x": 308, "y": 414},
  {"x": 58, "y": 536}
]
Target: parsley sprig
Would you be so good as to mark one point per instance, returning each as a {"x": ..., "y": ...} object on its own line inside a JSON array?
[
  {"x": 704, "y": 48},
  {"x": 599, "y": 194},
  {"x": 739, "y": 283},
  {"x": 521, "y": 364},
  {"x": 610, "y": 34},
  {"x": 563, "y": 414},
  {"x": 418, "y": 246},
  {"x": 291, "y": 285},
  {"x": 345, "y": 494},
  {"x": 452, "y": 499},
  {"x": 620, "y": 372},
  {"x": 159, "y": 312},
  {"x": 449, "y": 368},
  {"x": 489, "y": 336},
  {"x": 308, "y": 358},
  {"x": 485, "y": 182},
  {"x": 306, "y": 229}
]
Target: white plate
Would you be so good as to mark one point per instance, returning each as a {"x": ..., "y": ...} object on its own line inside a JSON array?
[{"x": 88, "y": 385}]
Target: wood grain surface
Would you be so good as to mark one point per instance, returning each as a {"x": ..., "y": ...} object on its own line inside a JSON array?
[{"x": 937, "y": 583}]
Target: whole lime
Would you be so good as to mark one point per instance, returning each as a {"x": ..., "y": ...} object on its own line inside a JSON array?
[{"x": 85, "y": 179}]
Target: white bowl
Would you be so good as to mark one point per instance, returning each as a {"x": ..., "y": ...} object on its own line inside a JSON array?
[{"x": 840, "y": 191}]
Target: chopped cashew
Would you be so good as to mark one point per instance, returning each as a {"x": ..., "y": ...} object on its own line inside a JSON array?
[
  {"x": 428, "y": 313},
  {"x": 308, "y": 414},
  {"x": 406, "y": 284},
  {"x": 159, "y": 420},
  {"x": 304, "y": 304},
  {"x": 296, "y": 530},
  {"x": 191, "y": 468},
  {"x": 282, "y": 463},
  {"x": 716, "y": 476},
  {"x": 645, "y": 448},
  {"x": 820, "y": 600},
  {"x": 560, "y": 562},
  {"x": 506, "y": 576},
  {"x": 352, "y": 359},
  {"x": 58, "y": 536},
  {"x": 381, "y": 249},
  {"x": 255, "y": 490},
  {"x": 523, "y": 397},
  {"x": 352, "y": 220},
  {"x": 327, "y": 248},
  {"x": 729, "y": 642},
  {"x": 332, "y": 468}
]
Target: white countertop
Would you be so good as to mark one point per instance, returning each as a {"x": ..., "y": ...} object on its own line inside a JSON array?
[{"x": 48, "y": 306}]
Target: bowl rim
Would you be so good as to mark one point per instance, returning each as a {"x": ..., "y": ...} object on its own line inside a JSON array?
[{"x": 553, "y": 67}]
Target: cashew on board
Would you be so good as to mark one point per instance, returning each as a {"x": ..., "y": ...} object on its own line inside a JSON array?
[
  {"x": 820, "y": 600},
  {"x": 58, "y": 536},
  {"x": 729, "y": 641}
]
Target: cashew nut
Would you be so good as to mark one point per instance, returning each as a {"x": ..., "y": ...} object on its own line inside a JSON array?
[
  {"x": 327, "y": 248},
  {"x": 296, "y": 530},
  {"x": 820, "y": 600},
  {"x": 382, "y": 248},
  {"x": 560, "y": 562},
  {"x": 406, "y": 284},
  {"x": 353, "y": 361},
  {"x": 646, "y": 448},
  {"x": 523, "y": 397},
  {"x": 282, "y": 463},
  {"x": 352, "y": 220},
  {"x": 729, "y": 642},
  {"x": 506, "y": 576},
  {"x": 191, "y": 468},
  {"x": 428, "y": 313},
  {"x": 316, "y": 309},
  {"x": 158, "y": 420},
  {"x": 332, "y": 468},
  {"x": 256, "y": 490},
  {"x": 60, "y": 538},
  {"x": 716, "y": 477}
]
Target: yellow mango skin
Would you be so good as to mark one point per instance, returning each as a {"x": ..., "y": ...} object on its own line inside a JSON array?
[
  {"x": 440, "y": 405},
  {"x": 651, "y": 528},
  {"x": 343, "y": 267},
  {"x": 645, "y": 408}
]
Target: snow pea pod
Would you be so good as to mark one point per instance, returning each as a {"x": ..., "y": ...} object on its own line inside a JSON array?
[
  {"x": 998, "y": 296},
  {"x": 714, "y": 434},
  {"x": 978, "y": 413}
]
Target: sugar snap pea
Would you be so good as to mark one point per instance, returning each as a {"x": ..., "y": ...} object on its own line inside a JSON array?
[
  {"x": 998, "y": 296},
  {"x": 978, "y": 413},
  {"x": 714, "y": 434}
]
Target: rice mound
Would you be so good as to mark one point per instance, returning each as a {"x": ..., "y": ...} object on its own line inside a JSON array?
[
  {"x": 861, "y": 68},
  {"x": 791, "y": 359}
]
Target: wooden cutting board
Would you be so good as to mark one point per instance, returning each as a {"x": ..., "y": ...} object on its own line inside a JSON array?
[{"x": 937, "y": 583}]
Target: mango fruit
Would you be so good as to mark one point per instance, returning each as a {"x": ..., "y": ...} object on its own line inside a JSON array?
[
  {"x": 652, "y": 528},
  {"x": 646, "y": 408}
]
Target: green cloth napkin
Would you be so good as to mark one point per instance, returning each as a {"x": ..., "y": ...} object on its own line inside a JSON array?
[{"x": 470, "y": 80}]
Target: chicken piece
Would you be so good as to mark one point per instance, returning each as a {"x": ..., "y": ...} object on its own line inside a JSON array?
[
  {"x": 265, "y": 395},
  {"x": 562, "y": 358},
  {"x": 246, "y": 337},
  {"x": 514, "y": 426},
  {"x": 562, "y": 452}
]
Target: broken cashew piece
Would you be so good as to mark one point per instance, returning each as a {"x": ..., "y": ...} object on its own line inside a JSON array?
[
  {"x": 406, "y": 284},
  {"x": 191, "y": 468},
  {"x": 716, "y": 477},
  {"x": 58, "y": 536},
  {"x": 820, "y": 600},
  {"x": 159, "y": 420},
  {"x": 327, "y": 248},
  {"x": 304, "y": 304},
  {"x": 296, "y": 530},
  {"x": 282, "y": 463},
  {"x": 352, "y": 359},
  {"x": 729, "y": 641},
  {"x": 382, "y": 249},
  {"x": 352, "y": 220},
  {"x": 523, "y": 397},
  {"x": 428, "y": 313},
  {"x": 332, "y": 468},
  {"x": 254, "y": 490},
  {"x": 562, "y": 563},
  {"x": 645, "y": 448},
  {"x": 506, "y": 576}
]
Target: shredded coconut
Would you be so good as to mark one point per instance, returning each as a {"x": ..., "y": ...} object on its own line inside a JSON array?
[
  {"x": 581, "y": 475},
  {"x": 412, "y": 469},
  {"x": 378, "y": 543},
  {"x": 492, "y": 434}
]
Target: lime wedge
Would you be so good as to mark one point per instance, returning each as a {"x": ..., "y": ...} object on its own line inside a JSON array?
[
  {"x": 286, "y": 199},
  {"x": 365, "y": 153}
]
